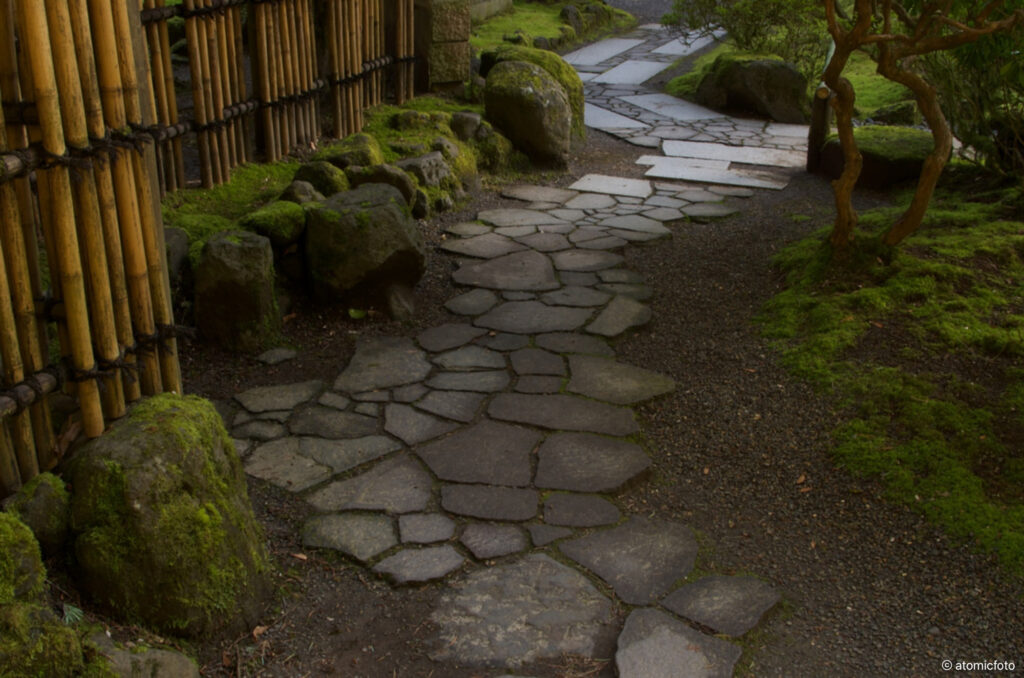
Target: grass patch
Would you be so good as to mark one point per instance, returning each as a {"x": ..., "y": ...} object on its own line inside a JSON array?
[
  {"x": 923, "y": 347},
  {"x": 873, "y": 91},
  {"x": 685, "y": 86},
  {"x": 534, "y": 19}
]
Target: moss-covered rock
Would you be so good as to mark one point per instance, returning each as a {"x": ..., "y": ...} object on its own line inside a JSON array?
[
  {"x": 301, "y": 192},
  {"x": 199, "y": 228},
  {"x": 555, "y": 65},
  {"x": 42, "y": 504},
  {"x": 324, "y": 176},
  {"x": 282, "y": 222},
  {"x": 526, "y": 103},
  {"x": 384, "y": 174},
  {"x": 35, "y": 644},
  {"x": 355, "y": 149},
  {"x": 22, "y": 574},
  {"x": 763, "y": 85},
  {"x": 891, "y": 155},
  {"x": 163, "y": 531}
]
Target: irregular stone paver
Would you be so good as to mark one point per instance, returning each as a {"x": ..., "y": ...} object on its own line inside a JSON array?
[
  {"x": 369, "y": 409},
  {"x": 335, "y": 400},
  {"x": 591, "y": 201},
  {"x": 615, "y": 382},
  {"x": 602, "y": 183},
  {"x": 413, "y": 426},
  {"x": 425, "y": 528},
  {"x": 620, "y": 275},
  {"x": 542, "y": 535},
  {"x": 373, "y": 396},
  {"x": 419, "y": 565},
  {"x": 281, "y": 463},
  {"x": 537, "y": 361},
  {"x": 468, "y": 229},
  {"x": 568, "y": 342},
  {"x": 503, "y": 341},
  {"x": 744, "y": 154},
  {"x": 516, "y": 216},
  {"x": 286, "y": 397},
  {"x": 636, "y": 222},
  {"x": 654, "y": 645},
  {"x": 533, "y": 193},
  {"x": 631, "y": 290},
  {"x": 499, "y": 616},
  {"x": 458, "y": 405},
  {"x": 577, "y": 510},
  {"x": 470, "y": 357},
  {"x": 563, "y": 412},
  {"x": 486, "y": 246},
  {"x": 489, "y": 502},
  {"x": 532, "y": 317},
  {"x": 524, "y": 271},
  {"x": 327, "y": 422},
  {"x": 488, "y": 452},
  {"x": 396, "y": 485},
  {"x": 481, "y": 382},
  {"x": 729, "y": 605},
  {"x": 574, "y": 295},
  {"x": 410, "y": 393},
  {"x": 621, "y": 314},
  {"x": 631, "y": 72},
  {"x": 538, "y": 384},
  {"x": 709, "y": 211},
  {"x": 276, "y": 356},
  {"x": 342, "y": 455},
  {"x": 667, "y": 170},
  {"x": 640, "y": 559},
  {"x": 448, "y": 336},
  {"x": 359, "y": 535},
  {"x": 383, "y": 362},
  {"x": 609, "y": 242},
  {"x": 473, "y": 302},
  {"x": 546, "y": 242},
  {"x": 259, "y": 430},
  {"x": 588, "y": 463},
  {"x": 585, "y": 260},
  {"x": 493, "y": 541}
]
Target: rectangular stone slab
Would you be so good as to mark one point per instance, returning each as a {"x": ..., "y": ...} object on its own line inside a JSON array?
[
  {"x": 684, "y": 172},
  {"x": 632, "y": 72},
  {"x": 671, "y": 107},
  {"x": 601, "y": 183},
  {"x": 654, "y": 160},
  {"x": 677, "y": 48},
  {"x": 599, "y": 52},
  {"x": 600, "y": 118},
  {"x": 750, "y": 155}
]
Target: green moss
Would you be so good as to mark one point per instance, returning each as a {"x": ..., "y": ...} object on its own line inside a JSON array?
[
  {"x": 685, "y": 85},
  {"x": 893, "y": 143},
  {"x": 555, "y": 66},
  {"x": 530, "y": 19},
  {"x": 34, "y": 644},
  {"x": 250, "y": 187},
  {"x": 21, "y": 568},
  {"x": 280, "y": 221},
  {"x": 355, "y": 149},
  {"x": 872, "y": 90}
]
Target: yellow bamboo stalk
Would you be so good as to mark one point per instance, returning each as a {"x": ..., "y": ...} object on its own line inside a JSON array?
[
  {"x": 158, "y": 82},
  {"x": 196, "y": 37},
  {"x": 9, "y": 476},
  {"x": 217, "y": 85},
  {"x": 332, "y": 63},
  {"x": 264, "y": 74},
  {"x": 14, "y": 372},
  {"x": 305, "y": 77},
  {"x": 63, "y": 226},
  {"x": 235, "y": 83},
  {"x": 224, "y": 70},
  {"x": 172, "y": 101},
  {"x": 303, "y": 122}
]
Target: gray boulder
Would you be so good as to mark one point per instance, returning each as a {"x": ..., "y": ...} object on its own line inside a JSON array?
[
  {"x": 301, "y": 192},
  {"x": 324, "y": 176},
  {"x": 177, "y": 244},
  {"x": 429, "y": 169},
  {"x": 529, "y": 106},
  {"x": 355, "y": 149},
  {"x": 42, "y": 504},
  {"x": 383, "y": 174},
  {"x": 163, "y": 531},
  {"x": 235, "y": 305},
  {"x": 465, "y": 124},
  {"x": 767, "y": 87},
  {"x": 362, "y": 237},
  {"x": 282, "y": 222}
]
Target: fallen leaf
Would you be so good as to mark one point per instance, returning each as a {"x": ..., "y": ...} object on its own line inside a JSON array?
[
  {"x": 707, "y": 470},
  {"x": 300, "y": 556},
  {"x": 801, "y": 479},
  {"x": 877, "y": 324},
  {"x": 805, "y": 489},
  {"x": 259, "y": 631}
]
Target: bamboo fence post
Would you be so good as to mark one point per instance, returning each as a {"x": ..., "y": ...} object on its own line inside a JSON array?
[
  {"x": 66, "y": 239},
  {"x": 224, "y": 70},
  {"x": 9, "y": 476},
  {"x": 14, "y": 372},
  {"x": 284, "y": 72},
  {"x": 307, "y": 70},
  {"x": 333, "y": 36},
  {"x": 159, "y": 84},
  {"x": 236, "y": 80},
  {"x": 263, "y": 73},
  {"x": 298, "y": 120},
  {"x": 172, "y": 101},
  {"x": 217, "y": 100},
  {"x": 199, "y": 89}
]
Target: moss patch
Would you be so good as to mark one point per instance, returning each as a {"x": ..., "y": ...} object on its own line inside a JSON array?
[
  {"x": 895, "y": 144},
  {"x": 21, "y": 568},
  {"x": 555, "y": 66},
  {"x": 529, "y": 19}
]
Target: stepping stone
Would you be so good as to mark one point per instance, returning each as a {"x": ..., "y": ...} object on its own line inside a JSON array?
[
  {"x": 678, "y": 48},
  {"x": 373, "y": 397},
  {"x": 576, "y": 510},
  {"x": 592, "y": 201},
  {"x": 566, "y": 214},
  {"x": 369, "y": 409},
  {"x": 664, "y": 201},
  {"x": 488, "y": 452},
  {"x": 327, "y": 422},
  {"x": 342, "y": 455},
  {"x": 412, "y": 426},
  {"x": 570, "y": 342},
  {"x": 533, "y": 317},
  {"x": 410, "y": 393},
  {"x": 733, "y": 191},
  {"x": 729, "y": 605},
  {"x": 383, "y": 362},
  {"x": 516, "y": 231},
  {"x": 516, "y": 216},
  {"x": 640, "y": 560},
  {"x": 473, "y": 302},
  {"x": 276, "y": 356},
  {"x": 615, "y": 382},
  {"x": 470, "y": 357},
  {"x": 501, "y": 617},
  {"x": 582, "y": 462},
  {"x": 259, "y": 430},
  {"x": 606, "y": 243},
  {"x": 523, "y": 271},
  {"x": 638, "y": 292},
  {"x": 654, "y": 645},
  {"x": 281, "y": 463},
  {"x": 533, "y": 193},
  {"x": 667, "y": 170},
  {"x": 601, "y": 51},
  {"x": 518, "y": 296},
  {"x": 621, "y": 314},
  {"x": 537, "y": 361},
  {"x": 468, "y": 229},
  {"x": 674, "y": 132},
  {"x": 645, "y": 141},
  {"x": 335, "y": 400},
  {"x": 708, "y": 211},
  {"x": 578, "y": 279},
  {"x": 493, "y": 541},
  {"x": 563, "y": 412},
  {"x": 534, "y": 384},
  {"x": 489, "y": 502},
  {"x": 486, "y": 246},
  {"x": 750, "y": 155},
  {"x": 671, "y": 107},
  {"x": 420, "y": 565},
  {"x": 358, "y": 535},
  {"x": 546, "y": 242},
  {"x": 395, "y": 485},
  {"x": 448, "y": 336},
  {"x": 638, "y": 223},
  {"x": 631, "y": 72},
  {"x": 502, "y": 341},
  {"x": 597, "y": 117},
  {"x": 601, "y": 183},
  {"x": 580, "y": 260},
  {"x": 587, "y": 233},
  {"x": 286, "y": 397},
  {"x": 576, "y": 296},
  {"x": 664, "y": 214},
  {"x": 542, "y": 535},
  {"x": 458, "y": 405},
  {"x": 700, "y": 195},
  {"x": 654, "y": 160},
  {"x": 425, "y": 528},
  {"x": 479, "y": 382}
]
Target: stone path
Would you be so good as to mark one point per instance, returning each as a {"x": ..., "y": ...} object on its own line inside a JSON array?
[{"x": 485, "y": 454}]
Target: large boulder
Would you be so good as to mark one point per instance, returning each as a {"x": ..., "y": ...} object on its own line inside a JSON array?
[
  {"x": 22, "y": 574},
  {"x": 383, "y": 174},
  {"x": 429, "y": 169},
  {"x": 891, "y": 155},
  {"x": 555, "y": 66},
  {"x": 324, "y": 176},
  {"x": 42, "y": 504},
  {"x": 163, "y": 531},
  {"x": 282, "y": 222},
  {"x": 355, "y": 149},
  {"x": 362, "y": 237},
  {"x": 526, "y": 103},
  {"x": 763, "y": 85},
  {"x": 235, "y": 305},
  {"x": 34, "y": 642}
]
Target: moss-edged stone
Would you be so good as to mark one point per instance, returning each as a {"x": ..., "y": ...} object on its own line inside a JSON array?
[
  {"x": 324, "y": 176},
  {"x": 555, "y": 65},
  {"x": 22, "y": 574},
  {"x": 282, "y": 222},
  {"x": 163, "y": 531},
  {"x": 384, "y": 174},
  {"x": 199, "y": 227},
  {"x": 526, "y": 103},
  {"x": 891, "y": 154},
  {"x": 35, "y": 644},
  {"x": 764, "y": 85},
  {"x": 355, "y": 149},
  {"x": 42, "y": 504},
  {"x": 301, "y": 192}
]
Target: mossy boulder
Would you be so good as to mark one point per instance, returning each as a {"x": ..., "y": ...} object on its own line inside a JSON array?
[
  {"x": 355, "y": 149},
  {"x": 282, "y": 222},
  {"x": 34, "y": 643},
  {"x": 530, "y": 107},
  {"x": 494, "y": 151},
  {"x": 324, "y": 177},
  {"x": 42, "y": 504},
  {"x": 163, "y": 531},
  {"x": 555, "y": 66},
  {"x": 301, "y": 192},
  {"x": 891, "y": 155},
  {"x": 199, "y": 228},
  {"x": 22, "y": 574},
  {"x": 429, "y": 169},
  {"x": 764, "y": 85},
  {"x": 384, "y": 174}
]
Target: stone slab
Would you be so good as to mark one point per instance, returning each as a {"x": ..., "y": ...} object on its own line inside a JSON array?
[
  {"x": 578, "y": 510},
  {"x": 425, "y": 528},
  {"x": 606, "y": 243},
  {"x": 342, "y": 455},
  {"x": 470, "y": 358},
  {"x": 620, "y": 275},
  {"x": 504, "y": 341},
  {"x": 563, "y": 412},
  {"x": 584, "y": 260},
  {"x": 487, "y": 541},
  {"x": 533, "y": 317},
  {"x": 489, "y": 452},
  {"x": 535, "y": 193},
  {"x": 489, "y": 502},
  {"x": 335, "y": 400},
  {"x": 780, "y": 129},
  {"x": 683, "y": 171},
  {"x": 664, "y": 214},
  {"x": 281, "y": 462},
  {"x": 709, "y": 210},
  {"x": 359, "y": 535},
  {"x": 729, "y": 605},
  {"x": 537, "y": 361},
  {"x": 486, "y": 246},
  {"x": 602, "y": 118},
  {"x": 448, "y": 336},
  {"x": 640, "y": 559},
  {"x": 327, "y": 422},
  {"x": 516, "y": 216},
  {"x": 522, "y": 271},
  {"x": 679, "y": 48},
  {"x": 458, "y": 405},
  {"x": 397, "y": 485},
  {"x": 259, "y": 430},
  {"x": 570, "y": 342},
  {"x": 473, "y": 302},
  {"x": 412, "y": 426},
  {"x": 592, "y": 201},
  {"x": 478, "y": 382},
  {"x": 750, "y": 155},
  {"x": 669, "y": 106},
  {"x": 654, "y": 645},
  {"x": 615, "y": 382},
  {"x": 601, "y": 51},
  {"x": 546, "y": 242},
  {"x": 636, "y": 222},
  {"x": 410, "y": 393},
  {"x": 420, "y": 565},
  {"x": 468, "y": 229},
  {"x": 285, "y": 397},
  {"x": 621, "y": 314},
  {"x": 383, "y": 362},
  {"x": 691, "y": 162},
  {"x": 583, "y": 462},
  {"x": 601, "y": 183},
  {"x": 538, "y": 384}
]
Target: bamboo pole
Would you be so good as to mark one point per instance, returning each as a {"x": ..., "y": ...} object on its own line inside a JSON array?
[
  {"x": 224, "y": 70},
  {"x": 236, "y": 81},
  {"x": 172, "y": 100},
  {"x": 159, "y": 83},
  {"x": 306, "y": 77},
  {"x": 196, "y": 36},
  {"x": 410, "y": 48},
  {"x": 216, "y": 101},
  {"x": 9, "y": 476},
  {"x": 298, "y": 118},
  {"x": 333, "y": 36},
  {"x": 66, "y": 239},
  {"x": 264, "y": 73},
  {"x": 282, "y": 44}
]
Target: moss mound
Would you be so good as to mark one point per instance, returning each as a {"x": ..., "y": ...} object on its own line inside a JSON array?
[
  {"x": 42, "y": 504},
  {"x": 282, "y": 222},
  {"x": 21, "y": 568},
  {"x": 355, "y": 149},
  {"x": 892, "y": 155}
]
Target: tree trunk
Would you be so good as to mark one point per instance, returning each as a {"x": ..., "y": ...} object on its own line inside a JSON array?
[{"x": 842, "y": 101}]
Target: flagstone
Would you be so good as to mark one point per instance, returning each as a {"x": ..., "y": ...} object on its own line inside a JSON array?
[
  {"x": 412, "y": 426},
  {"x": 579, "y": 510},
  {"x": 542, "y": 535},
  {"x": 281, "y": 463},
  {"x": 342, "y": 455},
  {"x": 631, "y": 72},
  {"x": 532, "y": 317},
  {"x": 667, "y": 170},
  {"x": 488, "y": 452},
  {"x": 582, "y": 260},
  {"x": 571, "y": 342},
  {"x": 546, "y": 242},
  {"x": 621, "y": 314},
  {"x": 653, "y": 644},
  {"x": 601, "y": 118},
  {"x": 425, "y": 528},
  {"x": 669, "y": 106},
  {"x": 529, "y": 270},
  {"x": 469, "y": 358},
  {"x": 458, "y": 405},
  {"x": 473, "y": 302},
  {"x": 563, "y": 412},
  {"x": 519, "y": 231},
  {"x": 615, "y": 382},
  {"x": 534, "y": 193},
  {"x": 700, "y": 195},
  {"x": 664, "y": 214},
  {"x": 396, "y": 485},
  {"x": 448, "y": 336},
  {"x": 573, "y": 295},
  {"x": 729, "y": 605},
  {"x": 468, "y": 228},
  {"x": 490, "y": 502},
  {"x": 584, "y": 462},
  {"x": 504, "y": 341},
  {"x": 383, "y": 362},
  {"x": 599, "y": 52},
  {"x": 591, "y": 201},
  {"x": 487, "y": 541},
  {"x": 480, "y": 382},
  {"x": 420, "y": 565},
  {"x": 327, "y": 422},
  {"x": 515, "y": 216},
  {"x": 609, "y": 242},
  {"x": 537, "y": 361},
  {"x": 750, "y": 155},
  {"x": 600, "y": 183},
  {"x": 359, "y": 535},
  {"x": 285, "y": 397},
  {"x": 487, "y": 246},
  {"x": 636, "y": 222},
  {"x": 538, "y": 384},
  {"x": 631, "y": 290}
]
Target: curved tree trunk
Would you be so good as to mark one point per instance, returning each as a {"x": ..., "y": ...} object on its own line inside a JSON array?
[{"x": 842, "y": 101}]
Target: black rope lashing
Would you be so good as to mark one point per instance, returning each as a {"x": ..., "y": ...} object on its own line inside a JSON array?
[{"x": 31, "y": 390}]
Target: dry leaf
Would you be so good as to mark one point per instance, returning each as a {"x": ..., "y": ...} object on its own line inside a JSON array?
[
  {"x": 300, "y": 556},
  {"x": 707, "y": 470},
  {"x": 805, "y": 490},
  {"x": 259, "y": 631},
  {"x": 801, "y": 479}
]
